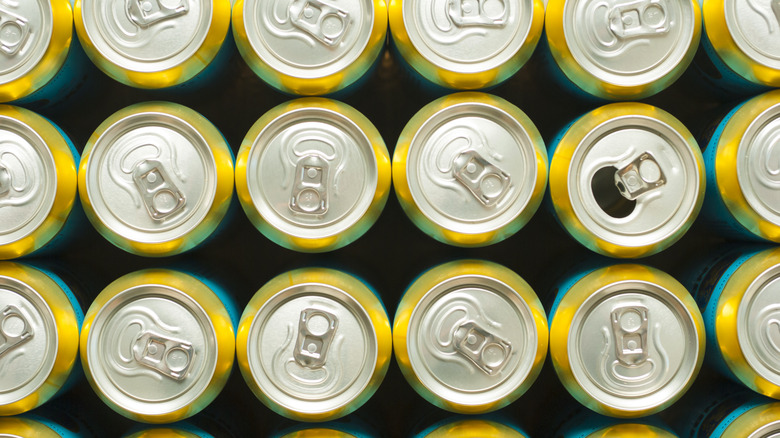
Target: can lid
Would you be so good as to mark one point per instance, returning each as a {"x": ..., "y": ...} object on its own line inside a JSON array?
[
  {"x": 472, "y": 167},
  {"x": 312, "y": 172},
  {"x": 758, "y": 324},
  {"x": 312, "y": 349},
  {"x": 758, "y": 164},
  {"x": 151, "y": 176},
  {"x": 151, "y": 350},
  {"x": 28, "y": 178},
  {"x": 146, "y": 36},
  {"x": 309, "y": 39},
  {"x": 648, "y": 351},
  {"x": 753, "y": 26},
  {"x": 468, "y": 36},
  {"x": 472, "y": 340},
  {"x": 27, "y": 31},
  {"x": 28, "y": 340},
  {"x": 635, "y": 180},
  {"x": 25, "y": 427},
  {"x": 630, "y": 44}
]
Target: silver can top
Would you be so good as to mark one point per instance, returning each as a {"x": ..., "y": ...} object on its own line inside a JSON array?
[
  {"x": 312, "y": 173},
  {"x": 769, "y": 430},
  {"x": 629, "y": 43},
  {"x": 757, "y": 325},
  {"x": 468, "y": 36},
  {"x": 151, "y": 177},
  {"x": 753, "y": 25},
  {"x": 28, "y": 340},
  {"x": 472, "y": 168},
  {"x": 152, "y": 350},
  {"x": 308, "y": 39},
  {"x": 758, "y": 164},
  {"x": 472, "y": 340},
  {"x": 26, "y": 28},
  {"x": 28, "y": 180},
  {"x": 633, "y": 346},
  {"x": 312, "y": 348},
  {"x": 634, "y": 181},
  {"x": 147, "y": 35}
]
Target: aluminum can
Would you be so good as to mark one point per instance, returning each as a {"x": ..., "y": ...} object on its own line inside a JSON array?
[
  {"x": 470, "y": 169},
  {"x": 314, "y": 344},
  {"x": 35, "y": 426},
  {"x": 313, "y": 174},
  {"x": 743, "y": 171},
  {"x": 153, "y": 43},
  {"x": 347, "y": 427},
  {"x": 37, "y": 183},
  {"x": 157, "y": 345},
  {"x": 156, "y": 179},
  {"x": 177, "y": 430},
  {"x": 40, "y": 319},
  {"x": 622, "y": 50},
  {"x": 740, "y": 40},
  {"x": 471, "y": 427},
  {"x": 738, "y": 293},
  {"x": 466, "y": 44},
  {"x": 590, "y": 425},
  {"x": 470, "y": 336},
  {"x": 625, "y": 340},
  {"x": 626, "y": 179},
  {"x": 310, "y": 47}
]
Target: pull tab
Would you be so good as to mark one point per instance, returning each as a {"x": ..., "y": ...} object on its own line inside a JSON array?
[
  {"x": 639, "y": 18},
  {"x": 326, "y": 23},
  {"x": 776, "y": 9},
  {"x": 14, "y": 329},
  {"x": 14, "y": 32},
  {"x": 148, "y": 12},
  {"x": 639, "y": 177},
  {"x": 310, "y": 193},
  {"x": 170, "y": 357},
  {"x": 485, "y": 13},
  {"x": 485, "y": 350},
  {"x": 629, "y": 325},
  {"x": 484, "y": 180},
  {"x": 161, "y": 197},
  {"x": 311, "y": 348},
  {"x": 5, "y": 181}
]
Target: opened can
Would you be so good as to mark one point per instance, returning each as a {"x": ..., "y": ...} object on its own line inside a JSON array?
[
  {"x": 156, "y": 179},
  {"x": 464, "y": 44},
  {"x": 37, "y": 183},
  {"x": 310, "y": 47},
  {"x": 470, "y": 169},
  {"x": 314, "y": 344},
  {"x": 154, "y": 43},
  {"x": 313, "y": 174},
  {"x": 626, "y": 179},
  {"x": 40, "y": 319},
  {"x": 743, "y": 171},
  {"x": 625, "y": 340},
  {"x": 470, "y": 336},
  {"x": 157, "y": 345},
  {"x": 619, "y": 50}
]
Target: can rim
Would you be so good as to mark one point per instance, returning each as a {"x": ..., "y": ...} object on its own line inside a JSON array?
[{"x": 761, "y": 420}]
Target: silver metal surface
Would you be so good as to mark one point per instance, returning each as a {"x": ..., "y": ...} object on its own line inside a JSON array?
[
  {"x": 639, "y": 177},
  {"x": 754, "y": 26},
  {"x": 308, "y": 38},
  {"x": 659, "y": 211},
  {"x": 25, "y": 35},
  {"x": 28, "y": 180},
  {"x": 632, "y": 346},
  {"x": 471, "y": 168},
  {"x": 29, "y": 340},
  {"x": 628, "y": 42},
  {"x": 151, "y": 177},
  {"x": 152, "y": 349},
  {"x": 758, "y": 325},
  {"x": 758, "y": 165},
  {"x": 471, "y": 340},
  {"x": 147, "y": 35},
  {"x": 312, "y": 348},
  {"x": 312, "y": 173},
  {"x": 771, "y": 430},
  {"x": 468, "y": 36}
]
